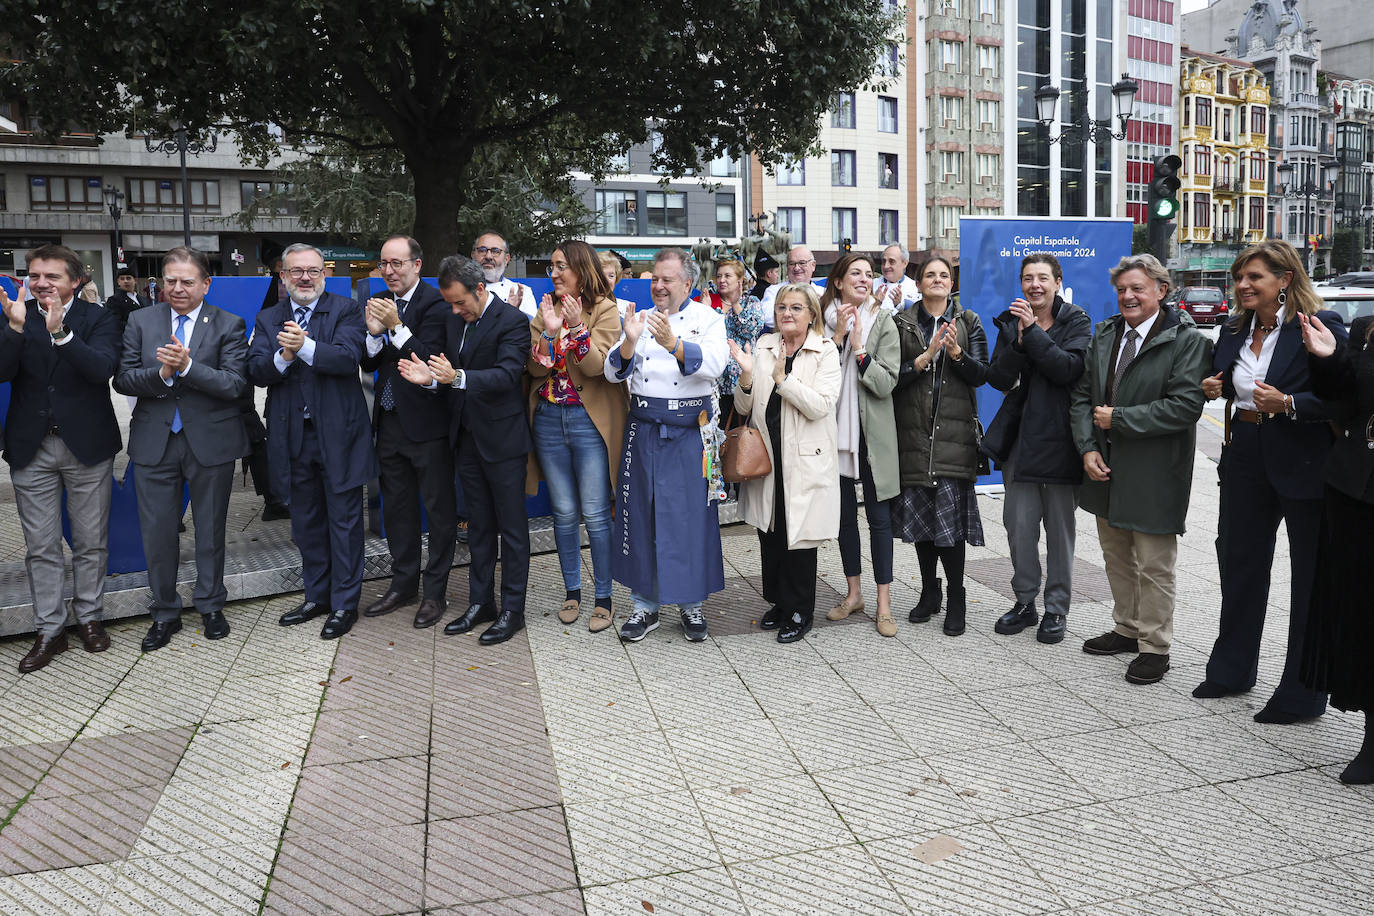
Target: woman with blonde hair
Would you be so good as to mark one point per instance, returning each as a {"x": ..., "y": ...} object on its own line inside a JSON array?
[
  {"x": 578, "y": 419},
  {"x": 743, "y": 324},
  {"x": 1279, "y": 436},
  {"x": 610, "y": 268},
  {"x": 789, "y": 383}
]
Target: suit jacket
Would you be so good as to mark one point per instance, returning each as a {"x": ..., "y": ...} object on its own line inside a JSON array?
[
  {"x": 492, "y": 353},
  {"x": 125, "y": 304},
  {"x": 206, "y": 395},
  {"x": 421, "y": 414},
  {"x": 1294, "y": 451},
  {"x": 67, "y": 386},
  {"x": 331, "y": 387}
]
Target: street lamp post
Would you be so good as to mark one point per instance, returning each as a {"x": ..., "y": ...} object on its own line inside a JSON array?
[
  {"x": 113, "y": 198},
  {"x": 1087, "y": 128},
  {"x": 1306, "y": 191},
  {"x": 181, "y": 143}
]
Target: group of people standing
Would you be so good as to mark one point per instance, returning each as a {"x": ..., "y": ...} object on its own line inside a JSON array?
[{"x": 862, "y": 387}]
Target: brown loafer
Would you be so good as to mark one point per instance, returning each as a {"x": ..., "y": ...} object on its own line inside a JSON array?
[
  {"x": 387, "y": 603},
  {"x": 842, "y": 610},
  {"x": 45, "y": 649},
  {"x": 431, "y": 612},
  {"x": 570, "y": 611},
  {"x": 601, "y": 619},
  {"x": 887, "y": 626},
  {"x": 93, "y": 636}
]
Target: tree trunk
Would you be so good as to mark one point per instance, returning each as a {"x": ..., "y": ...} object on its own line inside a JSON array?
[{"x": 439, "y": 194}]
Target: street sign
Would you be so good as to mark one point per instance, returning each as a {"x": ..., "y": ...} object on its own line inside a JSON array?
[{"x": 236, "y": 257}]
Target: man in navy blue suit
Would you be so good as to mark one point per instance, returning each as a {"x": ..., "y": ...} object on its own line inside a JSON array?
[
  {"x": 305, "y": 351},
  {"x": 488, "y": 343},
  {"x": 58, "y": 353}
]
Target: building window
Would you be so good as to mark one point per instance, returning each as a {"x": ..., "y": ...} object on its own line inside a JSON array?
[
  {"x": 62, "y": 192},
  {"x": 1202, "y": 160},
  {"x": 723, "y": 166},
  {"x": 987, "y": 9},
  {"x": 1256, "y": 214},
  {"x": 951, "y": 111},
  {"x": 614, "y": 210},
  {"x": 989, "y": 165},
  {"x": 842, "y": 172},
  {"x": 945, "y": 220},
  {"x": 889, "y": 60},
  {"x": 946, "y": 7},
  {"x": 887, "y": 170},
  {"x": 1204, "y": 112},
  {"x": 887, "y": 227},
  {"x": 988, "y": 58},
  {"x": 1259, "y": 118},
  {"x": 843, "y": 224},
  {"x": 163, "y": 195},
  {"x": 667, "y": 212},
  {"x": 950, "y": 54},
  {"x": 1202, "y": 211},
  {"x": 619, "y": 163},
  {"x": 842, "y": 110},
  {"x": 989, "y": 112},
  {"x": 1257, "y": 166},
  {"x": 887, "y": 114},
  {"x": 792, "y": 172},
  {"x": 250, "y": 191},
  {"x": 725, "y": 215},
  {"x": 952, "y": 165},
  {"x": 792, "y": 220}
]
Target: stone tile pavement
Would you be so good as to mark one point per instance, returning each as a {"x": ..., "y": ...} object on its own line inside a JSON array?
[{"x": 402, "y": 771}]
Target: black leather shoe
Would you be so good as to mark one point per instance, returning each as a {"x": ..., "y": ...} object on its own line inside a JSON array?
[
  {"x": 1213, "y": 690},
  {"x": 507, "y": 625},
  {"x": 955, "y": 612},
  {"x": 274, "y": 511},
  {"x": 1110, "y": 643},
  {"x": 1017, "y": 619},
  {"x": 431, "y": 612},
  {"x": 216, "y": 627},
  {"x": 308, "y": 610},
  {"x": 929, "y": 605},
  {"x": 339, "y": 623},
  {"x": 475, "y": 614},
  {"x": 795, "y": 627},
  {"x": 1147, "y": 668},
  {"x": 1051, "y": 629},
  {"x": 773, "y": 619},
  {"x": 388, "y": 603},
  {"x": 160, "y": 633},
  {"x": 45, "y": 649}
]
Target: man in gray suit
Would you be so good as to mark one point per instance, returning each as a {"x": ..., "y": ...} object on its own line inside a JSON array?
[{"x": 187, "y": 365}]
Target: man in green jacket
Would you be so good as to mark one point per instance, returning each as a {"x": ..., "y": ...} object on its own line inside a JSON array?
[{"x": 1134, "y": 414}]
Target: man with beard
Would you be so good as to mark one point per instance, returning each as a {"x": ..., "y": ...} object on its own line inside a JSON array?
[{"x": 491, "y": 251}]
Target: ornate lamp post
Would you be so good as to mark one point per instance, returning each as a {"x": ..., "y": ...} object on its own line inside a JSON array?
[
  {"x": 1306, "y": 191},
  {"x": 181, "y": 143},
  {"x": 113, "y": 198},
  {"x": 1087, "y": 128}
]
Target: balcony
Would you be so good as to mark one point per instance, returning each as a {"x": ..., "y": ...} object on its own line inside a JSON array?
[
  {"x": 1230, "y": 236},
  {"x": 1229, "y": 185}
]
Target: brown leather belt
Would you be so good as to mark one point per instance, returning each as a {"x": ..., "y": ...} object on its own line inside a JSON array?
[{"x": 1251, "y": 416}]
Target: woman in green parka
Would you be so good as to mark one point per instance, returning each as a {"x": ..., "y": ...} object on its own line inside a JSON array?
[{"x": 944, "y": 358}]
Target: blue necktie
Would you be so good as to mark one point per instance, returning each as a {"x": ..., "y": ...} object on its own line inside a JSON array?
[
  {"x": 180, "y": 333},
  {"x": 388, "y": 393},
  {"x": 302, "y": 317}
]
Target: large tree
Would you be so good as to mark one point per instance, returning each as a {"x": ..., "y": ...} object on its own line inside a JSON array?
[{"x": 443, "y": 83}]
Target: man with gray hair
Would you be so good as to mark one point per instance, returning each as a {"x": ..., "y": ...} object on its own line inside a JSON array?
[
  {"x": 1133, "y": 416},
  {"x": 801, "y": 267},
  {"x": 666, "y": 517},
  {"x": 306, "y": 351},
  {"x": 897, "y": 292},
  {"x": 491, "y": 251}
]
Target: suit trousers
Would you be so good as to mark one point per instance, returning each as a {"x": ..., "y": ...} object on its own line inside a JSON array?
[
  {"x": 38, "y": 489},
  {"x": 1140, "y": 570},
  {"x": 159, "y": 511},
  {"x": 495, "y": 495},
  {"x": 327, "y": 527},
  {"x": 1025, "y": 507},
  {"x": 1253, "y": 510},
  {"x": 415, "y": 473},
  {"x": 789, "y": 576}
]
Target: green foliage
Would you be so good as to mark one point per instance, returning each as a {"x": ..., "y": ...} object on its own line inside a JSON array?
[
  {"x": 1140, "y": 239},
  {"x": 1345, "y": 249},
  {"x": 443, "y": 83}
]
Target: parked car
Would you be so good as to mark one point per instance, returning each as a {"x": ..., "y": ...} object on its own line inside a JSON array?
[
  {"x": 1350, "y": 302},
  {"x": 1353, "y": 278},
  {"x": 1206, "y": 304}
]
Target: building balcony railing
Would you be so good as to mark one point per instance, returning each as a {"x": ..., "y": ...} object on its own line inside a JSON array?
[{"x": 1230, "y": 185}]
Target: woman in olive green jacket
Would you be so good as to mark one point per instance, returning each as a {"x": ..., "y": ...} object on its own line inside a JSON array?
[
  {"x": 867, "y": 436},
  {"x": 944, "y": 358}
]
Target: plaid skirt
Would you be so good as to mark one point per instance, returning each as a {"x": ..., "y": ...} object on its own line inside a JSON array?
[{"x": 946, "y": 514}]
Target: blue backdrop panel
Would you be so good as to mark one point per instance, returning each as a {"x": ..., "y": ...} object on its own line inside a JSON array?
[{"x": 990, "y": 253}]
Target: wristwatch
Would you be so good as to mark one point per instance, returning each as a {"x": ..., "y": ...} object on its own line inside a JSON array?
[{"x": 61, "y": 334}]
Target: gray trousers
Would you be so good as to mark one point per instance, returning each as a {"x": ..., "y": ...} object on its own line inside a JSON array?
[
  {"x": 38, "y": 498},
  {"x": 1025, "y": 506},
  {"x": 159, "y": 512}
]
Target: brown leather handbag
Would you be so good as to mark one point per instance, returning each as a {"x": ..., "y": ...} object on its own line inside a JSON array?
[{"x": 743, "y": 455}]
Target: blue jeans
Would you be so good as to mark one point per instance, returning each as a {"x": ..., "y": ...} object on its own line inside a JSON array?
[{"x": 573, "y": 457}]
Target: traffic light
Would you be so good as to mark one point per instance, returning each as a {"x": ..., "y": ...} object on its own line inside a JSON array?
[
  {"x": 1163, "y": 203},
  {"x": 846, "y": 246}
]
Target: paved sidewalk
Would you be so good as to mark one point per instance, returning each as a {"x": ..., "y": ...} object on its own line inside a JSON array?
[{"x": 399, "y": 771}]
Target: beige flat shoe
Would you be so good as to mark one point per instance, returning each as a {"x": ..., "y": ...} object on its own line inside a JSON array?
[
  {"x": 842, "y": 610},
  {"x": 569, "y": 611},
  {"x": 886, "y": 625},
  {"x": 601, "y": 619}
]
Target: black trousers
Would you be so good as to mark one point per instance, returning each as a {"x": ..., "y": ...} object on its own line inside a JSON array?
[
  {"x": 495, "y": 495},
  {"x": 415, "y": 474},
  {"x": 1253, "y": 510},
  {"x": 789, "y": 576},
  {"x": 879, "y": 514}
]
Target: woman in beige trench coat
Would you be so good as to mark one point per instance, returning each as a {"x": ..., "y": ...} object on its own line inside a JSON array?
[{"x": 788, "y": 385}]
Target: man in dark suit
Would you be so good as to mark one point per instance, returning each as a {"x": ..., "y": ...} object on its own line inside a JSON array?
[
  {"x": 186, "y": 362},
  {"x": 490, "y": 342},
  {"x": 58, "y": 353},
  {"x": 305, "y": 351},
  {"x": 126, "y": 300},
  {"x": 412, "y": 433}
]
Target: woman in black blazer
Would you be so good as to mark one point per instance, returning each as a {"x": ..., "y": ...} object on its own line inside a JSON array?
[
  {"x": 1278, "y": 440},
  {"x": 1339, "y": 632}
]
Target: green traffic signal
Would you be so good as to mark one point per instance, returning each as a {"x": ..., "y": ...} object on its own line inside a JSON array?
[{"x": 1165, "y": 208}]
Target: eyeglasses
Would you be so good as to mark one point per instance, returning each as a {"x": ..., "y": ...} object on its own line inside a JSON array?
[
  {"x": 556, "y": 269},
  {"x": 395, "y": 264},
  {"x": 313, "y": 273},
  {"x": 801, "y": 263},
  {"x": 484, "y": 250}
]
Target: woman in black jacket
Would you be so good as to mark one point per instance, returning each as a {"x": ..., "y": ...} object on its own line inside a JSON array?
[
  {"x": 1340, "y": 622},
  {"x": 1039, "y": 356}
]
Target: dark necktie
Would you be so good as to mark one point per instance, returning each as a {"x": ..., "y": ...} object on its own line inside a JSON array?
[
  {"x": 1127, "y": 355},
  {"x": 388, "y": 393},
  {"x": 180, "y": 333},
  {"x": 303, "y": 320}
]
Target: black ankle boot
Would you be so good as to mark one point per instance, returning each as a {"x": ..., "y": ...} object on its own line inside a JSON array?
[
  {"x": 1360, "y": 772},
  {"x": 955, "y": 612},
  {"x": 928, "y": 606}
]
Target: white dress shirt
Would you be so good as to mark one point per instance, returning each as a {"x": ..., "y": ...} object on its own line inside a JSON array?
[
  {"x": 505, "y": 287},
  {"x": 1143, "y": 329},
  {"x": 191, "y": 318},
  {"x": 1250, "y": 368},
  {"x": 307, "y": 351},
  {"x": 399, "y": 336}
]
